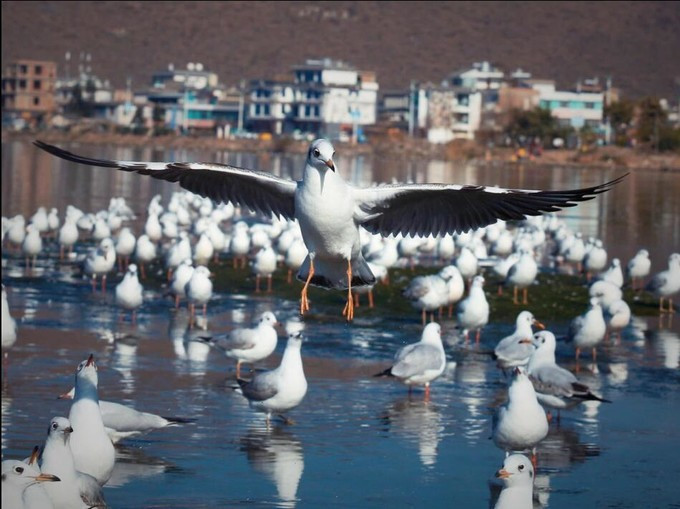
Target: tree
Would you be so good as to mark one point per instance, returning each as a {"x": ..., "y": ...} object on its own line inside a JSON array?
[
  {"x": 526, "y": 126},
  {"x": 620, "y": 116},
  {"x": 651, "y": 119}
]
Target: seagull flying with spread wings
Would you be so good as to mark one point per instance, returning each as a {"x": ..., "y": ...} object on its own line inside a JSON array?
[{"x": 330, "y": 211}]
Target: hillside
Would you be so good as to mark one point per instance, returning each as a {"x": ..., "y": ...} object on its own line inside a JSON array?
[{"x": 636, "y": 43}]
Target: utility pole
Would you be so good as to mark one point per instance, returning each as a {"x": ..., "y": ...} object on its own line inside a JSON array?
[
  {"x": 411, "y": 109},
  {"x": 239, "y": 128}
]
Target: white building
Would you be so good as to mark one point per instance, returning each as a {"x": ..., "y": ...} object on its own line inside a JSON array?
[
  {"x": 195, "y": 76},
  {"x": 481, "y": 76},
  {"x": 326, "y": 97},
  {"x": 577, "y": 109}
]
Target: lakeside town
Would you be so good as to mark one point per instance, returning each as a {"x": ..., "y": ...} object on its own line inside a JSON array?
[{"x": 480, "y": 112}]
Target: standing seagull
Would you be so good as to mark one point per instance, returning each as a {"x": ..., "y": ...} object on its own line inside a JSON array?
[
  {"x": 521, "y": 423},
  {"x": 330, "y": 211},
  {"x": 282, "y": 388},
  {"x": 638, "y": 268},
  {"x": 473, "y": 311},
  {"x": 516, "y": 349},
  {"x": 555, "y": 386},
  {"x": 76, "y": 490},
  {"x": 91, "y": 446},
  {"x": 666, "y": 283},
  {"x": 129, "y": 292},
  {"x": 588, "y": 330},
  {"x": 9, "y": 325},
  {"x": 422, "y": 362}
]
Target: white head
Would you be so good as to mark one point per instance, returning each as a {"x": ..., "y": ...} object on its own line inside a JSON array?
[
  {"x": 527, "y": 317},
  {"x": 60, "y": 429},
  {"x": 132, "y": 269},
  {"x": 22, "y": 475},
  {"x": 87, "y": 378},
  {"x": 545, "y": 344},
  {"x": 521, "y": 386},
  {"x": 478, "y": 281},
  {"x": 294, "y": 340},
  {"x": 517, "y": 470},
  {"x": 320, "y": 155},
  {"x": 268, "y": 318},
  {"x": 432, "y": 333}
]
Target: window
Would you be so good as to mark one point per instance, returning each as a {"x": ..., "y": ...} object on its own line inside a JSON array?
[
  {"x": 564, "y": 104},
  {"x": 36, "y": 101},
  {"x": 36, "y": 84},
  {"x": 38, "y": 69},
  {"x": 23, "y": 69},
  {"x": 22, "y": 84},
  {"x": 589, "y": 106}
]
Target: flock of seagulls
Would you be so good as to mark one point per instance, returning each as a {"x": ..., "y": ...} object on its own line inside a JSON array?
[{"x": 332, "y": 234}]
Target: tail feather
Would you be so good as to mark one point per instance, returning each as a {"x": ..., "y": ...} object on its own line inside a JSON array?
[{"x": 591, "y": 397}]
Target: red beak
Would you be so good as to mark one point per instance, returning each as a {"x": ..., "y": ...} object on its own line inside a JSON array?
[{"x": 90, "y": 360}]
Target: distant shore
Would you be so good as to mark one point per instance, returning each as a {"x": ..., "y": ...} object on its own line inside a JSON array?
[{"x": 400, "y": 147}]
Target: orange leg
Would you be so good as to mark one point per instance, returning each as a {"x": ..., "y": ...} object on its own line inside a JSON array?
[
  {"x": 269, "y": 283},
  {"x": 257, "y": 284},
  {"x": 349, "y": 306},
  {"x": 525, "y": 293},
  {"x": 370, "y": 298},
  {"x": 304, "y": 302}
]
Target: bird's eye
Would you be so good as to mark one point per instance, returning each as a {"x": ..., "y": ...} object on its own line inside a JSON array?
[
  {"x": 316, "y": 153},
  {"x": 521, "y": 467},
  {"x": 54, "y": 425},
  {"x": 543, "y": 340},
  {"x": 19, "y": 470}
]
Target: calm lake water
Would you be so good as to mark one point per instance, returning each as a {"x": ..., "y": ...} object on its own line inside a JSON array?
[{"x": 358, "y": 441}]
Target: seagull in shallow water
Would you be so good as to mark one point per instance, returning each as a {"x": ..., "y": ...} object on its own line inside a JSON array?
[
  {"x": 555, "y": 386},
  {"x": 330, "y": 211},
  {"x": 665, "y": 284},
  {"x": 76, "y": 490},
  {"x": 517, "y": 475},
  {"x": 516, "y": 349},
  {"x": 92, "y": 449},
  {"x": 422, "y": 362},
  {"x": 282, "y": 388}
]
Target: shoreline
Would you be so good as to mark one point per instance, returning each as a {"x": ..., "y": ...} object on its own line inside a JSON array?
[{"x": 400, "y": 147}]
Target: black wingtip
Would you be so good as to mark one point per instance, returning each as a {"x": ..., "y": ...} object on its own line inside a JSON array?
[
  {"x": 387, "y": 372},
  {"x": 69, "y": 156},
  {"x": 179, "y": 420}
]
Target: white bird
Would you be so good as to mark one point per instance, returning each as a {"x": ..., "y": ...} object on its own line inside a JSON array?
[
  {"x": 129, "y": 292},
  {"x": 100, "y": 261},
  {"x": 521, "y": 423},
  {"x": 121, "y": 421},
  {"x": 145, "y": 252},
  {"x": 153, "y": 228},
  {"x": 427, "y": 293},
  {"x": 203, "y": 250},
  {"x": 613, "y": 274},
  {"x": 295, "y": 255},
  {"x": 517, "y": 475},
  {"x": 595, "y": 259},
  {"x": 473, "y": 311},
  {"x": 125, "y": 247},
  {"x": 75, "y": 489},
  {"x": 665, "y": 284},
  {"x": 330, "y": 211},
  {"x": 638, "y": 267},
  {"x": 282, "y": 388},
  {"x": 40, "y": 221},
  {"x": 92, "y": 449},
  {"x": 9, "y": 325},
  {"x": 68, "y": 236},
  {"x": 422, "y": 362},
  {"x": 22, "y": 486},
  {"x": 501, "y": 268},
  {"x": 467, "y": 263},
  {"x": 240, "y": 243},
  {"x": 455, "y": 285},
  {"x": 199, "y": 291},
  {"x": 522, "y": 275},
  {"x": 17, "y": 230},
  {"x": 180, "y": 278},
  {"x": 555, "y": 386},
  {"x": 32, "y": 245},
  {"x": 588, "y": 330},
  {"x": 516, "y": 349},
  {"x": 607, "y": 293},
  {"x": 264, "y": 265},
  {"x": 250, "y": 345},
  {"x": 617, "y": 317}
]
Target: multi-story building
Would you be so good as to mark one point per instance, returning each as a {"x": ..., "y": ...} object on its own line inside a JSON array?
[
  {"x": 573, "y": 108},
  {"x": 453, "y": 113},
  {"x": 28, "y": 92},
  {"x": 325, "y": 97},
  {"x": 195, "y": 76}
]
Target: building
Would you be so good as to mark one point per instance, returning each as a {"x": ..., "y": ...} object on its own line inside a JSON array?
[
  {"x": 452, "y": 113},
  {"x": 573, "y": 108},
  {"x": 195, "y": 77},
  {"x": 28, "y": 92},
  {"x": 481, "y": 76},
  {"x": 325, "y": 97}
]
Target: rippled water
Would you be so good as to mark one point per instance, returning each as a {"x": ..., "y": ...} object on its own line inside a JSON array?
[{"x": 358, "y": 441}]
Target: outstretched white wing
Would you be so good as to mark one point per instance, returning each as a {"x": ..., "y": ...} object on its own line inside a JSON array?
[
  {"x": 438, "y": 209},
  {"x": 256, "y": 190}
]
